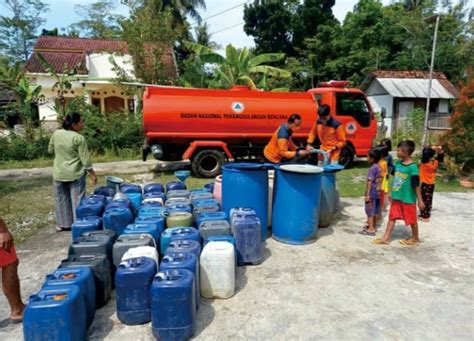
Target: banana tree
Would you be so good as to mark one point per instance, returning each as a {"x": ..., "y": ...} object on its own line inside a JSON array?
[
  {"x": 27, "y": 95},
  {"x": 63, "y": 80},
  {"x": 239, "y": 67}
]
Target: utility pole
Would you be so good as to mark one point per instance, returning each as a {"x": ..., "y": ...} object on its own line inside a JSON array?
[{"x": 427, "y": 112}]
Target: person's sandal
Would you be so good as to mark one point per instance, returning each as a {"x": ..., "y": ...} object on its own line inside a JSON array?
[
  {"x": 367, "y": 233},
  {"x": 62, "y": 229}
]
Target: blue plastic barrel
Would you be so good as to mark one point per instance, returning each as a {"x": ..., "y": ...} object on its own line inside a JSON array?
[
  {"x": 155, "y": 195},
  {"x": 177, "y": 201},
  {"x": 178, "y": 193},
  {"x": 105, "y": 191},
  {"x": 121, "y": 202},
  {"x": 248, "y": 240},
  {"x": 179, "y": 208},
  {"x": 185, "y": 233},
  {"x": 209, "y": 187},
  {"x": 296, "y": 197},
  {"x": 186, "y": 261},
  {"x": 184, "y": 246},
  {"x": 153, "y": 187},
  {"x": 174, "y": 185},
  {"x": 173, "y": 306},
  {"x": 158, "y": 222},
  {"x": 208, "y": 216},
  {"x": 117, "y": 219},
  {"x": 132, "y": 282},
  {"x": 151, "y": 211},
  {"x": 200, "y": 202},
  {"x": 130, "y": 188},
  {"x": 90, "y": 208},
  {"x": 55, "y": 313},
  {"x": 86, "y": 224},
  {"x": 246, "y": 185},
  {"x": 141, "y": 228},
  {"x": 329, "y": 195},
  {"x": 165, "y": 238},
  {"x": 135, "y": 199},
  {"x": 94, "y": 197},
  {"x": 81, "y": 277},
  {"x": 195, "y": 196},
  {"x": 100, "y": 267}
]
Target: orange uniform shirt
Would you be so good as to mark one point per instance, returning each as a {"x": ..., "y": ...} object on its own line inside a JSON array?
[
  {"x": 428, "y": 172},
  {"x": 281, "y": 145},
  {"x": 331, "y": 134}
]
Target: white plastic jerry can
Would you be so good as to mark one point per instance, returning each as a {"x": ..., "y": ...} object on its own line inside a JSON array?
[
  {"x": 142, "y": 251},
  {"x": 217, "y": 267}
]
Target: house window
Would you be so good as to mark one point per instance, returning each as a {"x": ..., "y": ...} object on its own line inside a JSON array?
[
  {"x": 96, "y": 102},
  {"x": 350, "y": 104},
  {"x": 434, "y": 103},
  {"x": 114, "y": 103}
]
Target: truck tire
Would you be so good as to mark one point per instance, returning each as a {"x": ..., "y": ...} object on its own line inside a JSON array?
[
  {"x": 208, "y": 163},
  {"x": 347, "y": 156}
]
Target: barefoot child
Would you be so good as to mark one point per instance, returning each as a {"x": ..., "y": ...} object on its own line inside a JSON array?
[
  {"x": 372, "y": 200},
  {"x": 405, "y": 193},
  {"x": 428, "y": 168}
]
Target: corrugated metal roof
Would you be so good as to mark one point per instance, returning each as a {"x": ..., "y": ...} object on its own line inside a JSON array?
[{"x": 414, "y": 88}]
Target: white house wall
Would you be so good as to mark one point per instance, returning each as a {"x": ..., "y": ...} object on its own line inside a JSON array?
[
  {"x": 383, "y": 101},
  {"x": 99, "y": 65}
]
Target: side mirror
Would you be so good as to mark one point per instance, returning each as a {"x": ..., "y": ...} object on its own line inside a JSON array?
[{"x": 383, "y": 113}]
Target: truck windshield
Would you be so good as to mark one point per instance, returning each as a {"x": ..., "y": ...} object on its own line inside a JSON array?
[{"x": 350, "y": 104}]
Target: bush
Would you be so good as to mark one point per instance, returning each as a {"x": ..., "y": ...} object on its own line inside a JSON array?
[
  {"x": 15, "y": 147},
  {"x": 459, "y": 141},
  {"x": 411, "y": 128}
]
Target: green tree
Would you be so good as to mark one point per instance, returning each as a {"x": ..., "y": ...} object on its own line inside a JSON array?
[
  {"x": 239, "y": 67},
  {"x": 98, "y": 20},
  {"x": 149, "y": 35},
  {"x": 203, "y": 37},
  {"x": 271, "y": 24},
  {"x": 18, "y": 29}
]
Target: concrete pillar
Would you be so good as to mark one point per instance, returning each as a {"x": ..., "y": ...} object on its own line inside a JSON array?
[{"x": 102, "y": 104}]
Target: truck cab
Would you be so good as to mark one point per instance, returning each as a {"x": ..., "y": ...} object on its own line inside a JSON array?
[{"x": 350, "y": 107}]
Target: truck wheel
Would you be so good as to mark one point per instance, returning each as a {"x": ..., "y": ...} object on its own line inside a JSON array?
[
  {"x": 347, "y": 156},
  {"x": 208, "y": 163}
]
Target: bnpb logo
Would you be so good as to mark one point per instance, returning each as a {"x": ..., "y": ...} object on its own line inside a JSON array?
[
  {"x": 237, "y": 107},
  {"x": 351, "y": 127}
]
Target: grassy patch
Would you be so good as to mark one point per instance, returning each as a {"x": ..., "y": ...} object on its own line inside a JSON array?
[{"x": 108, "y": 156}]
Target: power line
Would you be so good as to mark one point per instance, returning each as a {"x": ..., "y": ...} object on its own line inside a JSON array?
[
  {"x": 226, "y": 10},
  {"x": 227, "y": 28}
]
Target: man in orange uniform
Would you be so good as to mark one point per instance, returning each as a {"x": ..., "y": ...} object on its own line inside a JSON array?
[
  {"x": 329, "y": 132},
  {"x": 281, "y": 147}
]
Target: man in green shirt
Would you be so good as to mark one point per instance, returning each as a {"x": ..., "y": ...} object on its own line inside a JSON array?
[
  {"x": 71, "y": 163},
  {"x": 405, "y": 193}
]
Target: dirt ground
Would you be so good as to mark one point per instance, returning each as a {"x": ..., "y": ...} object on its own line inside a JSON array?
[{"x": 340, "y": 287}]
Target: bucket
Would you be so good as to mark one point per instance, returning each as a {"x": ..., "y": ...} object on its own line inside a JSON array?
[
  {"x": 114, "y": 181},
  {"x": 217, "y": 189},
  {"x": 297, "y": 193},
  {"x": 329, "y": 195}
]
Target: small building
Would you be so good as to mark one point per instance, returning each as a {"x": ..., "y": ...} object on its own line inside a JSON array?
[
  {"x": 94, "y": 72},
  {"x": 399, "y": 92}
]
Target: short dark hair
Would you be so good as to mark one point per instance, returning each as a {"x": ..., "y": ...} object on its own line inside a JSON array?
[
  {"x": 293, "y": 118},
  {"x": 375, "y": 154},
  {"x": 70, "y": 119},
  {"x": 383, "y": 149},
  {"x": 427, "y": 154},
  {"x": 407, "y": 146},
  {"x": 386, "y": 142},
  {"x": 324, "y": 110}
]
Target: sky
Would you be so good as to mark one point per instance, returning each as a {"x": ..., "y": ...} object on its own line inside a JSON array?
[
  {"x": 227, "y": 28},
  {"x": 62, "y": 14}
]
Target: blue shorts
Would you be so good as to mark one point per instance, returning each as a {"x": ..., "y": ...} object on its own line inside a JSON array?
[{"x": 372, "y": 208}]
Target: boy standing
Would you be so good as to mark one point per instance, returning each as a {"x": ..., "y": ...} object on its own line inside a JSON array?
[
  {"x": 372, "y": 199},
  {"x": 405, "y": 193}
]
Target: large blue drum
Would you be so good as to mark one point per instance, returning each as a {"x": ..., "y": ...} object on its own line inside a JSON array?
[
  {"x": 296, "y": 197},
  {"x": 329, "y": 195},
  {"x": 246, "y": 185}
]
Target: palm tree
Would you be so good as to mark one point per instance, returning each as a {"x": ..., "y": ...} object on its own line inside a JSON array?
[
  {"x": 203, "y": 37},
  {"x": 237, "y": 67},
  {"x": 178, "y": 8}
]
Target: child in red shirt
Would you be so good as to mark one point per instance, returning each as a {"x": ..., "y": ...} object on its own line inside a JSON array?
[{"x": 428, "y": 166}]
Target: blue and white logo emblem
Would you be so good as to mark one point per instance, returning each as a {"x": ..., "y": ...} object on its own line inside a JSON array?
[
  {"x": 351, "y": 127},
  {"x": 238, "y": 107}
]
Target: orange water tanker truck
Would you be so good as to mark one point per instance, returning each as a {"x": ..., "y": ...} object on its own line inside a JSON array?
[{"x": 208, "y": 127}]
